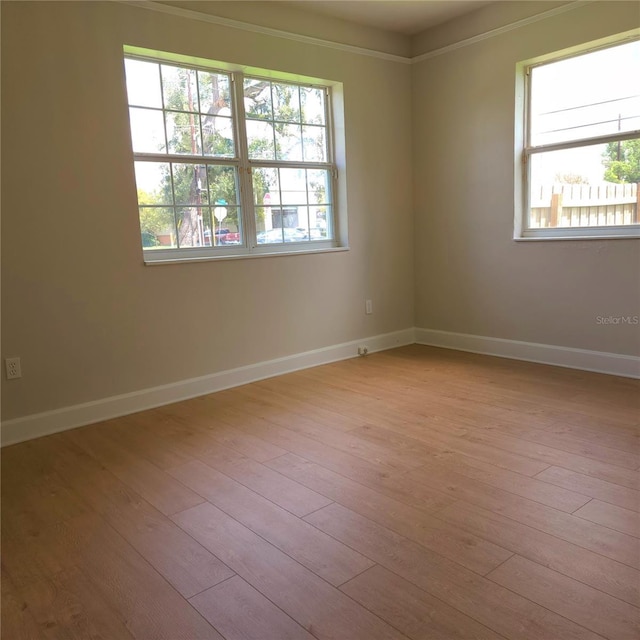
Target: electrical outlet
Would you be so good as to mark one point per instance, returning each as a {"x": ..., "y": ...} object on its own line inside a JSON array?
[
  {"x": 363, "y": 350},
  {"x": 368, "y": 307},
  {"x": 13, "y": 368}
]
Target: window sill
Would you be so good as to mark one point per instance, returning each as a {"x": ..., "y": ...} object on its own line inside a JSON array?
[
  {"x": 240, "y": 256},
  {"x": 585, "y": 233}
]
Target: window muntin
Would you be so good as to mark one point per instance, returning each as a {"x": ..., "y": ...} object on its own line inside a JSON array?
[
  {"x": 228, "y": 164},
  {"x": 581, "y": 158}
]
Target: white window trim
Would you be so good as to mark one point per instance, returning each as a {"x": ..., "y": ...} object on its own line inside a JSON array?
[
  {"x": 334, "y": 164},
  {"x": 524, "y": 151}
]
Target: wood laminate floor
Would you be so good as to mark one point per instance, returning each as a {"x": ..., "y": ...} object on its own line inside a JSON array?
[{"x": 415, "y": 493}]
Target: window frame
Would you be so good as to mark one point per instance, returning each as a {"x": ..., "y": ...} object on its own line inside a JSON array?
[
  {"x": 244, "y": 165},
  {"x": 525, "y": 150}
]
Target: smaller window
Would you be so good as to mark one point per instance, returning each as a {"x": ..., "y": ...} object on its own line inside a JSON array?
[{"x": 581, "y": 147}]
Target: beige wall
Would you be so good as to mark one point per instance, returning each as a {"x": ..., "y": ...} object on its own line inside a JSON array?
[
  {"x": 471, "y": 276},
  {"x": 430, "y": 205},
  {"x": 87, "y": 318}
]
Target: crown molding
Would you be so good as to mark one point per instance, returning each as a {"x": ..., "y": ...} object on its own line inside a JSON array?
[
  {"x": 267, "y": 31},
  {"x": 339, "y": 46},
  {"x": 492, "y": 33}
]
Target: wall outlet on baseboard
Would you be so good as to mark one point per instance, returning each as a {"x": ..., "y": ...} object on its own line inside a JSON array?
[
  {"x": 13, "y": 368},
  {"x": 363, "y": 350}
]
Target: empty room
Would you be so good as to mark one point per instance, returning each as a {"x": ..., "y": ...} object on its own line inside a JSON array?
[{"x": 320, "y": 320}]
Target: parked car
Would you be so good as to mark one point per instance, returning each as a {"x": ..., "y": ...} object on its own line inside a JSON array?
[
  {"x": 231, "y": 237},
  {"x": 219, "y": 235},
  {"x": 222, "y": 236}
]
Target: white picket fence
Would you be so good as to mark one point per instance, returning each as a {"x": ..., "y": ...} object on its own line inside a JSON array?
[{"x": 584, "y": 205}]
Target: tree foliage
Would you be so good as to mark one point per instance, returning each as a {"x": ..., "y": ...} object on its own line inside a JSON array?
[{"x": 622, "y": 161}]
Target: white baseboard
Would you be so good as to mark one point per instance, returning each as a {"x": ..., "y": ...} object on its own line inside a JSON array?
[
  {"x": 598, "y": 361},
  {"x": 48, "y": 422}
]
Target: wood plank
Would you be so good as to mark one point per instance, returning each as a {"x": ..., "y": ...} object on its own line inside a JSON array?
[
  {"x": 318, "y": 607},
  {"x": 18, "y": 621},
  {"x": 432, "y": 533},
  {"x": 87, "y": 556},
  {"x": 611, "y": 516},
  {"x": 315, "y": 550},
  {"x": 207, "y": 416},
  {"x": 69, "y": 606},
  {"x": 241, "y": 612},
  {"x": 188, "y": 567},
  {"x": 503, "y": 611},
  {"x": 287, "y": 494},
  {"x": 311, "y": 448},
  {"x": 604, "y": 435},
  {"x": 34, "y": 506},
  {"x": 153, "y": 484},
  {"x": 592, "y": 487},
  {"x": 345, "y": 441},
  {"x": 595, "y": 468},
  {"x": 584, "y": 605},
  {"x": 280, "y": 396},
  {"x": 296, "y": 388},
  {"x": 412, "y": 610},
  {"x": 567, "y": 442},
  {"x": 510, "y": 481},
  {"x": 442, "y": 438},
  {"x": 603, "y": 573},
  {"x": 143, "y": 435},
  {"x": 607, "y": 542}
]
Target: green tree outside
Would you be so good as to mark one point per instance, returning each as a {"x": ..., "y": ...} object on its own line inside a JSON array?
[{"x": 622, "y": 161}]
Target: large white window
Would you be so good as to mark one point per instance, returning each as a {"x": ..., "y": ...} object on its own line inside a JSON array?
[
  {"x": 581, "y": 145},
  {"x": 228, "y": 163}
]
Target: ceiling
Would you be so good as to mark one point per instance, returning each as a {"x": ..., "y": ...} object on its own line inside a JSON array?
[{"x": 402, "y": 17}]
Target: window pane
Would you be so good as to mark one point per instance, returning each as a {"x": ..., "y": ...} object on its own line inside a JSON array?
[
  {"x": 312, "y": 101},
  {"x": 260, "y": 140},
  {"x": 293, "y": 188},
  {"x": 588, "y": 95},
  {"x": 193, "y": 225},
  {"x": 158, "y": 228},
  {"x": 302, "y": 228},
  {"x": 257, "y": 99},
  {"x": 266, "y": 186},
  {"x": 286, "y": 102},
  {"x": 585, "y": 187},
  {"x": 320, "y": 222},
  {"x": 228, "y": 225},
  {"x": 318, "y": 186},
  {"x": 223, "y": 189},
  {"x": 180, "y": 89},
  {"x": 153, "y": 183},
  {"x": 147, "y": 131},
  {"x": 270, "y": 236},
  {"x": 218, "y": 136},
  {"x": 262, "y": 213},
  {"x": 143, "y": 83},
  {"x": 183, "y": 133},
  {"x": 190, "y": 184},
  {"x": 288, "y": 142},
  {"x": 214, "y": 93},
  {"x": 314, "y": 144}
]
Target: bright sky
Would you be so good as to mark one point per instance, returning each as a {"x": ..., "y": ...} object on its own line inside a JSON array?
[{"x": 584, "y": 96}]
